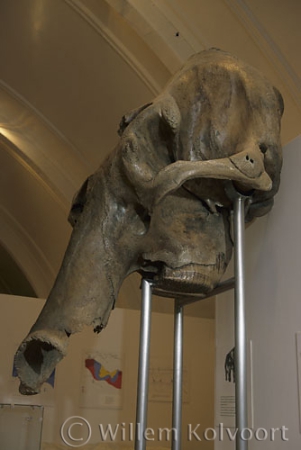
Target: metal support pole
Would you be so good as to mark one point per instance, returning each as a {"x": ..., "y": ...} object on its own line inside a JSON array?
[
  {"x": 143, "y": 370},
  {"x": 240, "y": 327},
  {"x": 177, "y": 377}
]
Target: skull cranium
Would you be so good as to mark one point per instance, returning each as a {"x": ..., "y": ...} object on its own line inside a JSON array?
[{"x": 160, "y": 203}]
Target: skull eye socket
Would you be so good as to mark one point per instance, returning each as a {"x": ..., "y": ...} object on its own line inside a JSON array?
[
  {"x": 78, "y": 204},
  {"x": 75, "y": 212},
  {"x": 263, "y": 148}
]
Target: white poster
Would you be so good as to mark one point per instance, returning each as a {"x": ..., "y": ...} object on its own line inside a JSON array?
[
  {"x": 161, "y": 382},
  {"x": 225, "y": 382}
]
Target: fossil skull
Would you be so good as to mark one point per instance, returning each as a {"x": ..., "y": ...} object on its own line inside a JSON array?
[{"x": 160, "y": 203}]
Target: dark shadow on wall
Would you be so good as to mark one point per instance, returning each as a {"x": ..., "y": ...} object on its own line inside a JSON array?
[{"x": 12, "y": 279}]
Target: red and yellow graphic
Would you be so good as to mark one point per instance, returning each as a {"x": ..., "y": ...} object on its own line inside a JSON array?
[{"x": 100, "y": 373}]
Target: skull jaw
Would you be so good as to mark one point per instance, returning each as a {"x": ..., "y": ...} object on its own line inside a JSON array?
[
  {"x": 193, "y": 278},
  {"x": 187, "y": 248}
]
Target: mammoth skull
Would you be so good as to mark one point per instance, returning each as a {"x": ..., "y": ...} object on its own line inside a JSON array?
[{"x": 160, "y": 203}]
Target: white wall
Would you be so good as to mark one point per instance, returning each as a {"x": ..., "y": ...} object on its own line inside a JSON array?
[
  {"x": 273, "y": 288},
  {"x": 120, "y": 337}
]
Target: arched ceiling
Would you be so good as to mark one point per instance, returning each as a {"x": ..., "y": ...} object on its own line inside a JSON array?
[{"x": 69, "y": 71}]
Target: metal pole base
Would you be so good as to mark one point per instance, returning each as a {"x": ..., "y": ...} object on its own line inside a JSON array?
[
  {"x": 241, "y": 412},
  {"x": 143, "y": 370},
  {"x": 240, "y": 347},
  {"x": 177, "y": 377}
]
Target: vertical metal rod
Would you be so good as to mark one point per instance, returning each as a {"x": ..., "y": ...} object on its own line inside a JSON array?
[
  {"x": 240, "y": 327},
  {"x": 143, "y": 370},
  {"x": 177, "y": 377}
]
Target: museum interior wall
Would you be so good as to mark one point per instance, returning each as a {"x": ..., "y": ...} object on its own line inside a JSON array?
[
  {"x": 77, "y": 393},
  {"x": 70, "y": 69},
  {"x": 273, "y": 321}
]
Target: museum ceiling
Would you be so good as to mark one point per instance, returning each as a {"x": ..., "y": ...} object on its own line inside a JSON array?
[{"x": 70, "y": 69}]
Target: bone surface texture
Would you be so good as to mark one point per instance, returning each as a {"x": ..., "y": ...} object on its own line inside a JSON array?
[{"x": 160, "y": 204}]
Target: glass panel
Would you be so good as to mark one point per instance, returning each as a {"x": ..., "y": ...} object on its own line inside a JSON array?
[{"x": 20, "y": 427}]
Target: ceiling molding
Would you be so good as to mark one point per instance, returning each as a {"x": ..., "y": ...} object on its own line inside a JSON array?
[
  {"x": 34, "y": 142},
  {"x": 125, "y": 52},
  {"x": 268, "y": 47},
  {"x": 35, "y": 171},
  {"x": 194, "y": 39},
  {"x": 25, "y": 105},
  {"x": 161, "y": 28}
]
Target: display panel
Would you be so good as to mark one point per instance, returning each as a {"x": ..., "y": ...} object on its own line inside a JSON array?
[{"x": 20, "y": 427}]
